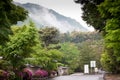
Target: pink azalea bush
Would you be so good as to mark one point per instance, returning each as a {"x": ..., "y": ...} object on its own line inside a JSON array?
[
  {"x": 29, "y": 72},
  {"x": 45, "y": 73},
  {"x": 41, "y": 73}
]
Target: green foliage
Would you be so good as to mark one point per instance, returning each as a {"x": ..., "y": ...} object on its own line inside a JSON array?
[
  {"x": 70, "y": 52},
  {"x": 24, "y": 39},
  {"x": 20, "y": 45},
  {"x": 5, "y": 65},
  {"x": 47, "y": 59},
  {"x": 9, "y": 15},
  {"x": 80, "y": 48},
  {"x": 91, "y": 14},
  {"x": 90, "y": 50},
  {"x": 65, "y": 37},
  {"x": 55, "y": 56},
  {"x": 77, "y": 37},
  {"x": 46, "y": 53},
  {"x": 110, "y": 10},
  {"x": 49, "y": 36},
  {"x": 98, "y": 48},
  {"x": 11, "y": 75},
  {"x": 106, "y": 62},
  {"x": 86, "y": 55}
]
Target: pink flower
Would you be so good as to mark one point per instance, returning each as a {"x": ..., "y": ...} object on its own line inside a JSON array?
[
  {"x": 39, "y": 73},
  {"x": 28, "y": 71},
  {"x": 45, "y": 73}
]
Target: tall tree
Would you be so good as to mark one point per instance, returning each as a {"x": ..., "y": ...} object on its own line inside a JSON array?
[
  {"x": 70, "y": 52},
  {"x": 49, "y": 35},
  {"x": 20, "y": 45},
  {"x": 47, "y": 59},
  {"x": 91, "y": 14},
  {"x": 9, "y": 15},
  {"x": 110, "y": 9}
]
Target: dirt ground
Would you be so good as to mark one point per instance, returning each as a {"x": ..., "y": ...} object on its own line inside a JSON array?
[{"x": 112, "y": 77}]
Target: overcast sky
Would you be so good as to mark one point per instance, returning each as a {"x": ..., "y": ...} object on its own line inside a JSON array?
[{"x": 65, "y": 7}]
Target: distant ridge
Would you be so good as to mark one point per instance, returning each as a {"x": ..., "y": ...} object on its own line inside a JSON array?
[{"x": 42, "y": 16}]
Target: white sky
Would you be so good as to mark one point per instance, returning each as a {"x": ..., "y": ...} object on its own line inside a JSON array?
[{"x": 65, "y": 7}]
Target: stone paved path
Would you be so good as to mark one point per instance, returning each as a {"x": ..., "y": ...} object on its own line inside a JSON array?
[{"x": 79, "y": 76}]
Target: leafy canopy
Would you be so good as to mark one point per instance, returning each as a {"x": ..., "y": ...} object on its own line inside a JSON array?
[
  {"x": 110, "y": 9},
  {"x": 20, "y": 45},
  {"x": 91, "y": 14},
  {"x": 9, "y": 15}
]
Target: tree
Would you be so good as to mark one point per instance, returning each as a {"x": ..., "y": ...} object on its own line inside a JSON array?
[
  {"x": 20, "y": 45},
  {"x": 86, "y": 54},
  {"x": 46, "y": 53},
  {"x": 70, "y": 53},
  {"x": 49, "y": 35},
  {"x": 91, "y": 14},
  {"x": 46, "y": 59},
  {"x": 9, "y": 15},
  {"x": 98, "y": 48},
  {"x": 65, "y": 37},
  {"x": 110, "y": 9}
]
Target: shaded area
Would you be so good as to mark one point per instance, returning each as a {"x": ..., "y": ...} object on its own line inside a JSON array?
[{"x": 112, "y": 77}]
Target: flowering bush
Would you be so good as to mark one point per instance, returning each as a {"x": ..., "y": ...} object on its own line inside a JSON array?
[
  {"x": 27, "y": 73},
  {"x": 41, "y": 73},
  {"x": 45, "y": 73}
]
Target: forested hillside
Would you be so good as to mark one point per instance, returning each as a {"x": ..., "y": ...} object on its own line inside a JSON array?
[{"x": 81, "y": 48}]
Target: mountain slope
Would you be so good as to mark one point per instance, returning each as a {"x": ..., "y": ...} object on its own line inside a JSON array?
[{"x": 42, "y": 16}]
